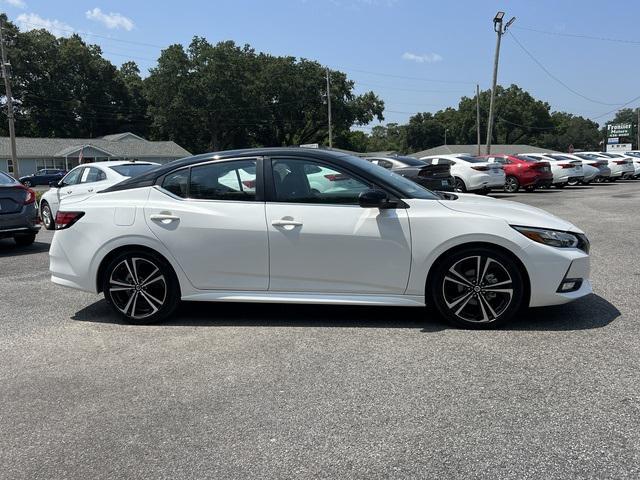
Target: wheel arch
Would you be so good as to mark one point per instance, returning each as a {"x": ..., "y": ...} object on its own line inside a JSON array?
[
  {"x": 136, "y": 247},
  {"x": 479, "y": 244}
]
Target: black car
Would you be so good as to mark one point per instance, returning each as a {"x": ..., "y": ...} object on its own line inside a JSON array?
[
  {"x": 433, "y": 177},
  {"x": 18, "y": 212},
  {"x": 43, "y": 177}
]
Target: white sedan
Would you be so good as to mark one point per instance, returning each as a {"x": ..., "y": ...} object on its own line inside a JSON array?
[
  {"x": 151, "y": 241},
  {"x": 471, "y": 174},
  {"x": 87, "y": 179},
  {"x": 564, "y": 171},
  {"x": 621, "y": 166},
  {"x": 589, "y": 172},
  {"x": 635, "y": 155}
]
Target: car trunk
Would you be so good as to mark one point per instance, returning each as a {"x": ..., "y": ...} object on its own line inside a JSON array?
[{"x": 12, "y": 199}]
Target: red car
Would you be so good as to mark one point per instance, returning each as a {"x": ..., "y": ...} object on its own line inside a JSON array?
[{"x": 522, "y": 172}]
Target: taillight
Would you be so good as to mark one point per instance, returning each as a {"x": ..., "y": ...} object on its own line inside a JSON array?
[
  {"x": 31, "y": 196},
  {"x": 620, "y": 162},
  {"x": 335, "y": 177},
  {"x": 67, "y": 219},
  {"x": 565, "y": 165},
  {"x": 249, "y": 183},
  {"x": 481, "y": 169}
]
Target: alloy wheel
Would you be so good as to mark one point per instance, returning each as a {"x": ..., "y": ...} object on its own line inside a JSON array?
[
  {"x": 459, "y": 186},
  {"x": 137, "y": 287},
  {"x": 511, "y": 185},
  {"x": 47, "y": 217},
  {"x": 477, "y": 289}
]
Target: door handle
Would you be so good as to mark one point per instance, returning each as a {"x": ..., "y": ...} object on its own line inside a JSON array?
[
  {"x": 69, "y": 192},
  {"x": 90, "y": 190},
  {"x": 163, "y": 217},
  {"x": 286, "y": 223}
]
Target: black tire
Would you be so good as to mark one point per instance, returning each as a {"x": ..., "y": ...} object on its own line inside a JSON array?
[
  {"x": 573, "y": 183},
  {"x": 449, "y": 291},
  {"x": 27, "y": 183},
  {"x": 124, "y": 285},
  {"x": 47, "y": 217},
  {"x": 459, "y": 186},
  {"x": 511, "y": 184},
  {"x": 25, "y": 240}
]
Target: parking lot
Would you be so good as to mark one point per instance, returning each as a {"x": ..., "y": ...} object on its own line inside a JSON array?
[{"x": 281, "y": 391}]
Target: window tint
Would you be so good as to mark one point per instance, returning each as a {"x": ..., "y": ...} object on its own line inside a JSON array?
[
  {"x": 92, "y": 174},
  {"x": 305, "y": 181},
  {"x": 234, "y": 180},
  {"x": 176, "y": 182},
  {"x": 470, "y": 159},
  {"x": 6, "y": 179},
  {"x": 73, "y": 176},
  {"x": 133, "y": 169},
  {"x": 385, "y": 164}
]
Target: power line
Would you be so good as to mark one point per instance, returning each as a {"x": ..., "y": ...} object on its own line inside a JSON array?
[
  {"x": 620, "y": 107},
  {"x": 404, "y": 89},
  {"x": 553, "y": 77},
  {"x": 579, "y": 35},
  {"x": 423, "y": 79},
  {"x": 501, "y": 119}
]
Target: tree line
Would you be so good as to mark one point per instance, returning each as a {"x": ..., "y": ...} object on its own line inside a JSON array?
[{"x": 217, "y": 96}]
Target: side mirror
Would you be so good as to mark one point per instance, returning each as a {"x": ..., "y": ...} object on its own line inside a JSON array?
[
  {"x": 55, "y": 184},
  {"x": 374, "y": 199}
]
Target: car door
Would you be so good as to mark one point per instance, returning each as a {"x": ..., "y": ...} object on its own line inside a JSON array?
[
  {"x": 211, "y": 217},
  {"x": 323, "y": 241},
  {"x": 69, "y": 184},
  {"x": 91, "y": 180}
]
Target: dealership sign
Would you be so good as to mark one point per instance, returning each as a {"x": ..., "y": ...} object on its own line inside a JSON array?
[
  {"x": 618, "y": 147},
  {"x": 619, "y": 130}
]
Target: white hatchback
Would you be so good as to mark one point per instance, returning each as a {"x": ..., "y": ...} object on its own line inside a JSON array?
[
  {"x": 178, "y": 232},
  {"x": 84, "y": 180},
  {"x": 471, "y": 174}
]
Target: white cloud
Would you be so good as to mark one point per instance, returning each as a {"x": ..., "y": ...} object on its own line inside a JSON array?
[
  {"x": 110, "y": 20},
  {"x": 33, "y": 21},
  {"x": 422, "y": 58},
  {"x": 16, "y": 3}
]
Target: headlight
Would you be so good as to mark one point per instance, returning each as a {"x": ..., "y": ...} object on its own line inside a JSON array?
[{"x": 555, "y": 238}]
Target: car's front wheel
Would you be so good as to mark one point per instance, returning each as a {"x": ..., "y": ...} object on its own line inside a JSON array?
[
  {"x": 141, "y": 287},
  {"x": 477, "y": 288},
  {"x": 47, "y": 217}
]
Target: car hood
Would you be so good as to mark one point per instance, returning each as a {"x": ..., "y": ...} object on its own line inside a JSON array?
[{"x": 513, "y": 213}]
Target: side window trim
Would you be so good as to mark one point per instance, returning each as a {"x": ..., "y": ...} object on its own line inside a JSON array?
[
  {"x": 270, "y": 192},
  {"x": 259, "y": 197}
]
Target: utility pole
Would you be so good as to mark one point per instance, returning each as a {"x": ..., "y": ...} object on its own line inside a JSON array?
[
  {"x": 478, "y": 115},
  {"x": 7, "y": 86},
  {"x": 445, "y": 136},
  {"x": 329, "y": 108},
  {"x": 500, "y": 30}
]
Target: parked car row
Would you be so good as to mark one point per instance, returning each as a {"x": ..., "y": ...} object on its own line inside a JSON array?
[{"x": 528, "y": 171}]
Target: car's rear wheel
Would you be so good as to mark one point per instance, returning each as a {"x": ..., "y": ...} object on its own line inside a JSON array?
[
  {"x": 511, "y": 184},
  {"x": 27, "y": 183},
  {"x": 25, "y": 240},
  {"x": 141, "y": 287},
  {"x": 47, "y": 217},
  {"x": 478, "y": 288},
  {"x": 573, "y": 182},
  {"x": 459, "y": 185}
]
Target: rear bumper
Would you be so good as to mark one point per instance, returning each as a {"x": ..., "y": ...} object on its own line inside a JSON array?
[
  {"x": 12, "y": 232},
  {"x": 24, "y": 222}
]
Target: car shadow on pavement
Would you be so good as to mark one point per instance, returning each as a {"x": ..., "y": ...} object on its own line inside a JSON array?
[
  {"x": 8, "y": 248},
  {"x": 587, "y": 313}
]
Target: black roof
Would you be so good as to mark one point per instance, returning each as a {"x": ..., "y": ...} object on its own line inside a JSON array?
[{"x": 149, "y": 178}]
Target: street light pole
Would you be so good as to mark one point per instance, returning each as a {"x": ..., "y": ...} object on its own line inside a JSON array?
[
  {"x": 445, "y": 136},
  {"x": 500, "y": 30}
]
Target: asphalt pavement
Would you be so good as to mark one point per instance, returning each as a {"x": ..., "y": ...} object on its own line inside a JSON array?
[{"x": 279, "y": 391}]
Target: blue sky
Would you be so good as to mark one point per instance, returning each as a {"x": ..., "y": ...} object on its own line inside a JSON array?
[{"x": 446, "y": 46}]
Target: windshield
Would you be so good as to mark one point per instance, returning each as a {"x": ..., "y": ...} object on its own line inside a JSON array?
[
  {"x": 560, "y": 157},
  {"x": 470, "y": 159},
  {"x": 409, "y": 161},
  {"x": 403, "y": 185},
  {"x": 588, "y": 156},
  {"x": 6, "y": 179},
  {"x": 132, "y": 169},
  {"x": 526, "y": 159}
]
